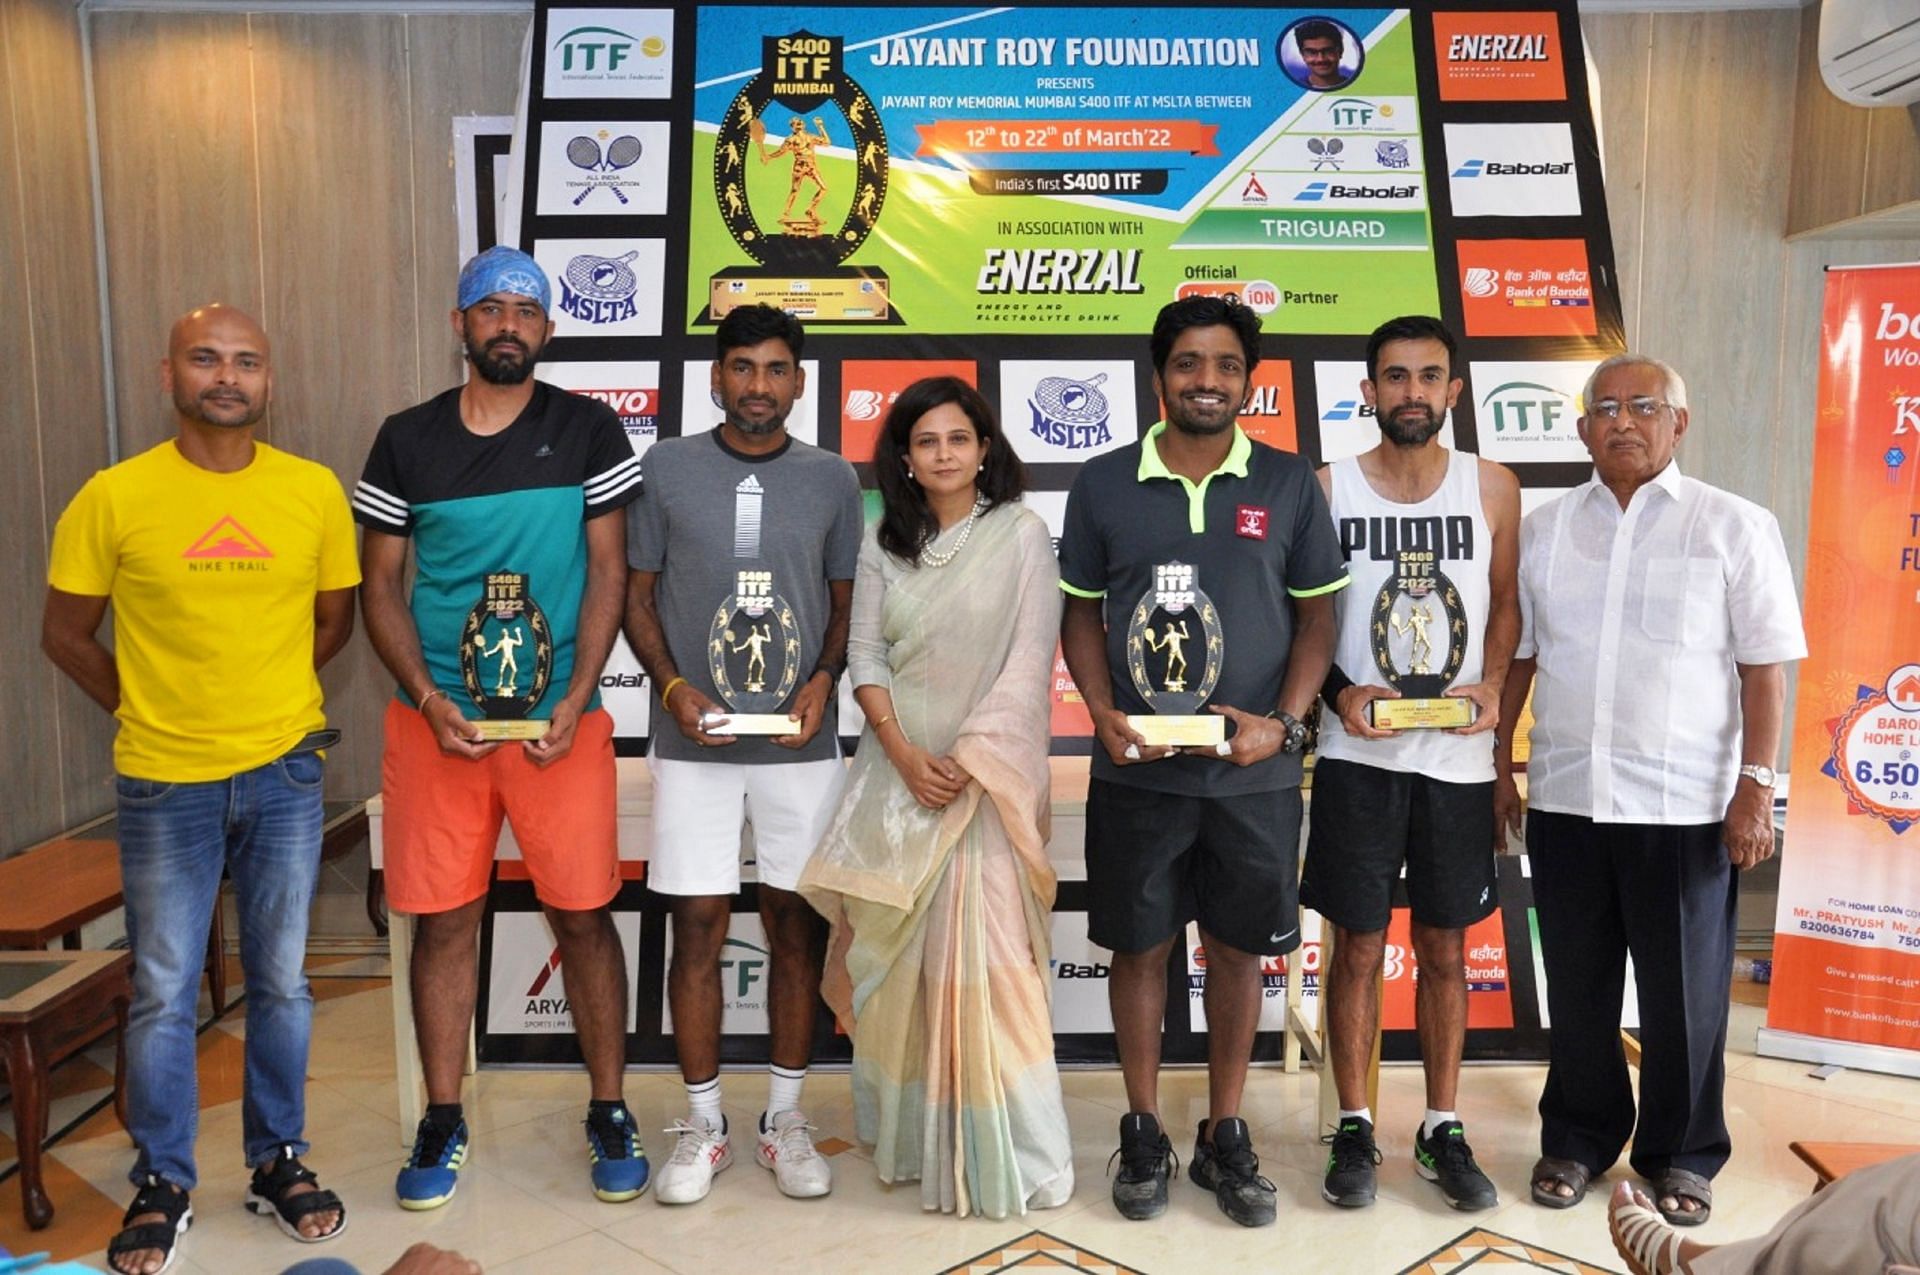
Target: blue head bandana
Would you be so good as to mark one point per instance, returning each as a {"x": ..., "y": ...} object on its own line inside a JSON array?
[{"x": 504, "y": 269}]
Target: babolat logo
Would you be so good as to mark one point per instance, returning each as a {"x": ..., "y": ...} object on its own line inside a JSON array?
[
  {"x": 1497, "y": 48},
  {"x": 622, "y": 681},
  {"x": 1348, "y": 408},
  {"x": 1527, "y": 407},
  {"x": 1067, "y": 969},
  {"x": 1494, "y": 168},
  {"x": 1316, "y": 191}
]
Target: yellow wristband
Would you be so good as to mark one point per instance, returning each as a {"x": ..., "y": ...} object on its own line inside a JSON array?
[{"x": 668, "y": 693}]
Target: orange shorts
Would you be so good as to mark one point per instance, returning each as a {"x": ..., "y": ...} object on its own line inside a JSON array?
[{"x": 442, "y": 822}]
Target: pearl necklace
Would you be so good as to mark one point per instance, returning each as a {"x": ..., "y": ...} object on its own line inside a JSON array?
[{"x": 928, "y": 558}]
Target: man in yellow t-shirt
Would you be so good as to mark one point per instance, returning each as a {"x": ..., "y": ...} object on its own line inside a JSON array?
[{"x": 231, "y": 569}]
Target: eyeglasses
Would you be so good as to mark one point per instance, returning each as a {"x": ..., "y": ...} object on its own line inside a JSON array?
[{"x": 1608, "y": 409}]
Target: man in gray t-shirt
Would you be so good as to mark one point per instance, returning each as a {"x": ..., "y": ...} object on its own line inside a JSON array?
[{"x": 743, "y": 545}]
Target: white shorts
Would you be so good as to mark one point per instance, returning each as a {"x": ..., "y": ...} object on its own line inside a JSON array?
[{"x": 697, "y": 811}]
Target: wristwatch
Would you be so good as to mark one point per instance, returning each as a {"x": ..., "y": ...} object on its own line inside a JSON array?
[
  {"x": 1762, "y": 775},
  {"x": 1296, "y": 729}
]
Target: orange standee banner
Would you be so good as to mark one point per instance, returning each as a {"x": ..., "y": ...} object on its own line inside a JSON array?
[{"x": 1847, "y": 934}]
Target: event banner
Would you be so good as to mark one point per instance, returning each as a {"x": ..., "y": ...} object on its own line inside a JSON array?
[
  {"x": 1010, "y": 195},
  {"x": 1846, "y": 955}
]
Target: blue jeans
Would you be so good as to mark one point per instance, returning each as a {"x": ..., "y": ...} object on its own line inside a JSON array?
[{"x": 263, "y": 827}]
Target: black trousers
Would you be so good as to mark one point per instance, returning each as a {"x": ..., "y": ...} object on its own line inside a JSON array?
[{"x": 1665, "y": 894}]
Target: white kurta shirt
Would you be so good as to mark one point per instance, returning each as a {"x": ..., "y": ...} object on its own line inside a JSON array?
[{"x": 1636, "y": 618}]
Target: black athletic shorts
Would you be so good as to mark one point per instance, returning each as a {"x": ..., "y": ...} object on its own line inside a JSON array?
[
  {"x": 1157, "y": 860},
  {"x": 1367, "y": 822}
]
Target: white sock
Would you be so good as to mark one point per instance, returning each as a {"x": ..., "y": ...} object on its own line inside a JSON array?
[
  {"x": 703, "y": 1100},
  {"x": 783, "y": 1091},
  {"x": 1364, "y": 1113},
  {"x": 1435, "y": 1119}
]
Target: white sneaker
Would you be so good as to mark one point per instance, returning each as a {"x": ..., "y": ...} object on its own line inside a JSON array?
[
  {"x": 699, "y": 1153},
  {"x": 787, "y": 1149}
]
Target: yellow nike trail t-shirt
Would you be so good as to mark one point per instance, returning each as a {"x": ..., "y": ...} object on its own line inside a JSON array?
[{"x": 212, "y": 579}]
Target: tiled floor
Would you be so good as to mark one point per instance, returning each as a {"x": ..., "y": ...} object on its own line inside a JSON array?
[{"x": 523, "y": 1207}]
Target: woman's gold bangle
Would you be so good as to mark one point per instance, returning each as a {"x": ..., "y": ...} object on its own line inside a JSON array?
[
  {"x": 882, "y": 722},
  {"x": 667, "y": 694}
]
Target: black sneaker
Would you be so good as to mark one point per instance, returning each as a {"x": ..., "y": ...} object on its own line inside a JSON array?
[
  {"x": 1146, "y": 1162},
  {"x": 1446, "y": 1160},
  {"x": 1351, "y": 1182},
  {"x": 1226, "y": 1165}
]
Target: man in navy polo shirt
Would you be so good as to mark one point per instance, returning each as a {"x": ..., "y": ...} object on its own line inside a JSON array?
[{"x": 1199, "y": 557}]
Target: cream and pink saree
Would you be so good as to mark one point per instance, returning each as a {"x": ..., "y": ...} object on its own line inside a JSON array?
[{"x": 938, "y": 962}]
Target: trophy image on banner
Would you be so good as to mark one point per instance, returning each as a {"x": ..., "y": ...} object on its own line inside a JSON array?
[
  {"x": 1419, "y": 632},
  {"x": 506, "y": 658},
  {"x": 1175, "y": 649},
  {"x": 801, "y": 256},
  {"x": 753, "y": 652}
]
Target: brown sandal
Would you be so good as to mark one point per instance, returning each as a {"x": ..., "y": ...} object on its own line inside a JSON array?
[
  {"x": 1569, "y": 1173},
  {"x": 1683, "y": 1184}
]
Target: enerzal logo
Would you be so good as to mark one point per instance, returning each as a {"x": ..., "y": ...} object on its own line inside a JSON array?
[
  {"x": 1494, "y": 168},
  {"x": 600, "y": 289},
  {"x": 1528, "y": 407},
  {"x": 1069, "y": 413}
]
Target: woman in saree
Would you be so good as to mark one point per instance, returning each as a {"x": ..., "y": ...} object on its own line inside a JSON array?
[{"x": 934, "y": 874}]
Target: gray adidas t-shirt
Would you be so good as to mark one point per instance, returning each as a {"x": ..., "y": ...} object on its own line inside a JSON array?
[{"x": 706, "y": 514}]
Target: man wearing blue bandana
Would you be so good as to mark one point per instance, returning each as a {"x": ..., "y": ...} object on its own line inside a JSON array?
[{"x": 511, "y": 493}]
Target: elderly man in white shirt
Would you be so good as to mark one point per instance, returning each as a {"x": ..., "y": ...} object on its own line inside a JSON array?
[{"x": 1658, "y": 615}]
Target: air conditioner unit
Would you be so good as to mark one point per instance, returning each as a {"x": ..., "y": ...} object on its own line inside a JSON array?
[{"x": 1870, "y": 50}]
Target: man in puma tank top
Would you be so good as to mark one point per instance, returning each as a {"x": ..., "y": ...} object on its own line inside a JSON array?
[{"x": 1431, "y": 541}]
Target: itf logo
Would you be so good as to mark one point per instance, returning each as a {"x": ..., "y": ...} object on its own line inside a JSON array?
[
  {"x": 1528, "y": 414},
  {"x": 609, "y": 52}
]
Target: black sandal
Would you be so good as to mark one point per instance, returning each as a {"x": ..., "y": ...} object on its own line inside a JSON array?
[
  {"x": 1568, "y": 1173},
  {"x": 267, "y": 1195},
  {"x": 156, "y": 1196},
  {"x": 1683, "y": 1184}
]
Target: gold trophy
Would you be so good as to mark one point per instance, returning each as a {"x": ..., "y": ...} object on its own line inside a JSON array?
[
  {"x": 506, "y": 658},
  {"x": 753, "y": 653},
  {"x": 801, "y": 263},
  {"x": 1416, "y": 607},
  {"x": 1174, "y": 624}
]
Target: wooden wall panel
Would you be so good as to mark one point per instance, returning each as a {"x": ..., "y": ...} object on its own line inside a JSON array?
[
  {"x": 1829, "y": 141},
  {"x": 30, "y": 748},
  {"x": 45, "y": 67},
  {"x": 456, "y": 66},
  {"x": 1621, "y": 45},
  {"x": 1713, "y": 261},
  {"x": 337, "y": 225},
  {"x": 1893, "y": 159},
  {"x": 173, "y": 94}
]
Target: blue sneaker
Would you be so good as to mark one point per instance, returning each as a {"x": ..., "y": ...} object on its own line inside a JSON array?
[
  {"x": 432, "y": 1171},
  {"x": 619, "y": 1162}
]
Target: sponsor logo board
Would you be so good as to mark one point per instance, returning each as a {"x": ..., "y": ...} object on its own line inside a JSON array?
[
  {"x": 868, "y": 388},
  {"x": 699, "y": 413},
  {"x": 1274, "y": 972},
  {"x": 596, "y": 169},
  {"x": 1499, "y": 57},
  {"x": 1527, "y": 411},
  {"x": 1512, "y": 170},
  {"x": 1331, "y": 156},
  {"x": 1526, "y": 287},
  {"x": 1345, "y": 114},
  {"x": 604, "y": 287},
  {"x": 527, "y": 983},
  {"x": 609, "y": 53},
  {"x": 1063, "y": 411},
  {"x": 1080, "y": 971},
  {"x": 631, "y": 389}
]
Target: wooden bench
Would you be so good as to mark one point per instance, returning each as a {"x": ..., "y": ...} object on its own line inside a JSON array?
[{"x": 1831, "y": 1161}]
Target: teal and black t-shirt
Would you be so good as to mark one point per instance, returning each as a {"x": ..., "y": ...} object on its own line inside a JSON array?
[{"x": 514, "y": 503}]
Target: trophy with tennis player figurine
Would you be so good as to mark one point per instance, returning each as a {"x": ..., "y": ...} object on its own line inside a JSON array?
[
  {"x": 506, "y": 658},
  {"x": 1175, "y": 650},
  {"x": 1419, "y": 632},
  {"x": 753, "y": 653}
]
